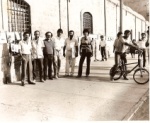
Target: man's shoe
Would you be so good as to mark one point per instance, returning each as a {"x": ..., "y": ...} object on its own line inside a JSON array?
[
  {"x": 31, "y": 82},
  {"x": 71, "y": 75},
  {"x": 51, "y": 78},
  {"x": 78, "y": 76},
  {"x": 56, "y": 77},
  {"x": 125, "y": 78},
  {"x": 106, "y": 59},
  {"x": 66, "y": 75},
  {"x": 102, "y": 60},
  {"x": 22, "y": 83},
  {"x": 42, "y": 80},
  {"x": 87, "y": 75}
]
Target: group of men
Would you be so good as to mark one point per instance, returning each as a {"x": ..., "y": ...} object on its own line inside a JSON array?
[{"x": 46, "y": 55}]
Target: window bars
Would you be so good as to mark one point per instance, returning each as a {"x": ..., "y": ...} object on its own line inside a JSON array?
[
  {"x": 18, "y": 16},
  {"x": 88, "y": 22}
]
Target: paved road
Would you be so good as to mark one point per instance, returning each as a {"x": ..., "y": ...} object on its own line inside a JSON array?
[{"x": 93, "y": 98}]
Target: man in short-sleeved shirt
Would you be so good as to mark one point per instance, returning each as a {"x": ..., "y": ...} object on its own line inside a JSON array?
[
  {"x": 37, "y": 55},
  {"x": 71, "y": 47},
  {"x": 25, "y": 50},
  {"x": 142, "y": 45},
  {"x": 59, "y": 44},
  {"x": 102, "y": 48},
  {"x": 49, "y": 52}
]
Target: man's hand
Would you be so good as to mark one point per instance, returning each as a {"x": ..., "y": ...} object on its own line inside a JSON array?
[
  {"x": 80, "y": 53},
  {"x": 76, "y": 54},
  {"x": 92, "y": 54},
  {"x": 64, "y": 54}
]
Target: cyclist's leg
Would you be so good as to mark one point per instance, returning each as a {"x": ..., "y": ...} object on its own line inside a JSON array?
[
  {"x": 124, "y": 61},
  {"x": 144, "y": 57}
]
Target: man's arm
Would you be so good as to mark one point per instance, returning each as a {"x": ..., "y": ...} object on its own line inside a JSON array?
[
  {"x": 114, "y": 49},
  {"x": 64, "y": 48},
  {"x": 76, "y": 48}
]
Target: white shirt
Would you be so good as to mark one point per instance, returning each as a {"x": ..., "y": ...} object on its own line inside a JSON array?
[
  {"x": 37, "y": 48},
  {"x": 59, "y": 43},
  {"x": 102, "y": 43},
  {"x": 25, "y": 47},
  {"x": 141, "y": 43},
  {"x": 70, "y": 46},
  {"x": 125, "y": 47},
  {"x": 70, "y": 43}
]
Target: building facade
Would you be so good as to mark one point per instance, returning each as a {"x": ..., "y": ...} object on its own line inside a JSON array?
[{"x": 101, "y": 17}]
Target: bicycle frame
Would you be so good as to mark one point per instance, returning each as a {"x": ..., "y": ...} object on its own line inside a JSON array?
[
  {"x": 132, "y": 68},
  {"x": 138, "y": 64}
]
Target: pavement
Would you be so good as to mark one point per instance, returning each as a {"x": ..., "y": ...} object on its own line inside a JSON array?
[{"x": 95, "y": 98}]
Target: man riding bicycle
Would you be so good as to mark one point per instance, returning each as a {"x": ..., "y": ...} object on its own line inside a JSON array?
[{"x": 121, "y": 46}]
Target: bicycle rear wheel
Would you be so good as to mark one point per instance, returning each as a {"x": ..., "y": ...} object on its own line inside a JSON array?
[
  {"x": 141, "y": 76},
  {"x": 117, "y": 73}
]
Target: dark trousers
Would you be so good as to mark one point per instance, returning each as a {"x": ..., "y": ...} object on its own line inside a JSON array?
[
  {"x": 124, "y": 61},
  {"x": 26, "y": 63},
  {"x": 103, "y": 52},
  {"x": 39, "y": 63},
  {"x": 144, "y": 57},
  {"x": 57, "y": 65},
  {"x": 117, "y": 57},
  {"x": 48, "y": 61},
  {"x": 88, "y": 61}
]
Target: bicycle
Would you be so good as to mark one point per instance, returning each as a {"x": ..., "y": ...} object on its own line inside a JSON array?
[{"x": 140, "y": 76}]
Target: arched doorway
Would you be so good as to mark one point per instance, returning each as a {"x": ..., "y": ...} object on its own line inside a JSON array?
[
  {"x": 88, "y": 21},
  {"x": 19, "y": 19}
]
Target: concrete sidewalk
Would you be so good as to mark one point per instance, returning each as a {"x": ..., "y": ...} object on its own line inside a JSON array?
[{"x": 94, "y": 98}]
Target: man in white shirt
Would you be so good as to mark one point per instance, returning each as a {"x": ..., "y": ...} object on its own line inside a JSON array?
[
  {"x": 37, "y": 50},
  {"x": 71, "y": 47},
  {"x": 142, "y": 45},
  {"x": 59, "y": 43},
  {"x": 25, "y": 52},
  {"x": 102, "y": 48}
]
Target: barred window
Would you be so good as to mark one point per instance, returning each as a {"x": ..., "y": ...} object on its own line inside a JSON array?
[
  {"x": 18, "y": 16},
  {"x": 88, "y": 22}
]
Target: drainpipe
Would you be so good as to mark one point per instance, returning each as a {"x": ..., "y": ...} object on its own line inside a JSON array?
[
  {"x": 59, "y": 13},
  {"x": 105, "y": 18},
  {"x": 121, "y": 15},
  {"x": 68, "y": 15},
  {"x": 135, "y": 27},
  {"x": 2, "y": 14}
]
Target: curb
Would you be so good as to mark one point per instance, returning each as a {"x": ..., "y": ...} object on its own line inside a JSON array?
[{"x": 136, "y": 107}]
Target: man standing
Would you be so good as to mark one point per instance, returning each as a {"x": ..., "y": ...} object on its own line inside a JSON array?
[
  {"x": 86, "y": 51},
  {"x": 37, "y": 47},
  {"x": 71, "y": 47},
  {"x": 49, "y": 52},
  {"x": 125, "y": 42},
  {"x": 102, "y": 48},
  {"x": 25, "y": 52},
  {"x": 59, "y": 43},
  {"x": 142, "y": 45}
]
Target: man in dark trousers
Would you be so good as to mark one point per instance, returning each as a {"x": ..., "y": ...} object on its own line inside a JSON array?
[
  {"x": 37, "y": 55},
  {"x": 49, "y": 52},
  {"x": 86, "y": 51},
  {"x": 102, "y": 48}
]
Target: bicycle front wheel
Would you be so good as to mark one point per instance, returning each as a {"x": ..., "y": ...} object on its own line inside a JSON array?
[
  {"x": 141, "y": 76},
  {"x": 117, "y": 73}
]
